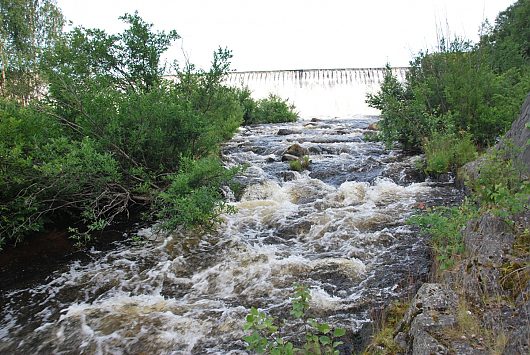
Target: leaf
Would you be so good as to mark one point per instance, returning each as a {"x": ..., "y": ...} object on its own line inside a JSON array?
[
  {"x": 338, "y": 332},
  {"x": 324, "y": 340},
  {"x": 323, "y": 328}
]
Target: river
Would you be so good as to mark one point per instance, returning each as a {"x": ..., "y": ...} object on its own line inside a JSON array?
[{"x": 339, "y": 228}]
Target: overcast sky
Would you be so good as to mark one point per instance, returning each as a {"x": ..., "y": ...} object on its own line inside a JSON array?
[{"x": 297, "y": 34}]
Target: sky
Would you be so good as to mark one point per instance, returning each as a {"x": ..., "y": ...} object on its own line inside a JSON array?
[{"x": 296, "y": 34}]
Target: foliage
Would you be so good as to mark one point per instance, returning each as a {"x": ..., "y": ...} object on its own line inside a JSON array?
[
  {"x": 500, "y": 187},
  {"x": 194, "y": 196},
  {"x": 272, "y": 109},
  {"x": 112, "y": 132},
  {"x": 265, "y": 335},
  {"x": 26, "y": 29},
  {"x": 444, "y": 226},
  {"x": 300, "y": 164},
  {"x": 507, "y": 44},
  {"x": 400, "y": 121},
  {"x": 447, "y": 151},
  {"x": 460, "y": 87}
]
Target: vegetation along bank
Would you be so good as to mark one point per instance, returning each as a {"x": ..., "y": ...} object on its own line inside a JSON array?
[{"x": 456, "y": 106}]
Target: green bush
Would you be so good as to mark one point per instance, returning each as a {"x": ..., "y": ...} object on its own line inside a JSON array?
[
  {"x": 272, "y": 109},
  {"x": 401, "y": 121},
  {"x": 447, "y": 152},
  {"x": 111, "y": 132},
  {"x": 300, "y": 164},
  {"x": 194, "y": 197},
  {"x": 476, "y": 89}
]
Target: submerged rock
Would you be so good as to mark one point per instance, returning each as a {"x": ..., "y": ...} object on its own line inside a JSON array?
[{"x": 287, "y": 131}]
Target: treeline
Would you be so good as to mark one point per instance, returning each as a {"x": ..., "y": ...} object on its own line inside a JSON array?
[
  {"x": 462, "y": 96},
  {"x": 89, "y": 127}
]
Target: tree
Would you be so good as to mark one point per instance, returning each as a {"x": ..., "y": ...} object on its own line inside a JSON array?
[{"x": 27, "y": 28}]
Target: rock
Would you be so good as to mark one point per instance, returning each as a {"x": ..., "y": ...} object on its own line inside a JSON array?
[
  {"x": 289, "y": 157},
  {"x": 297, "y": 150},
  {"x": 519, "y": 135},
  {"x": 289, "y": 175},
  {"x": 315, "y": 149},
  {"x": 425, "y": 344},
  {"x": 431, "y": 311},
  {"x": 373, "y": 127},
  {"x": 488, "y": 240},
  {"x": 314, "y": 119},
  {"x": 286, "y": 132}
]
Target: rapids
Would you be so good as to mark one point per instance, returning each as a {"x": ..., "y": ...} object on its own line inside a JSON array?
[{"x": 339, "y": 228}]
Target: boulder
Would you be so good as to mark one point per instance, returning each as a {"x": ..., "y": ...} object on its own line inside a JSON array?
[
  {"x": 431, "y": 311},
  {"x": 286, "y": 132},
  {"x": 288, "y": 175},
  {"x": 289, "y": 157},
  {"x": 519, "y": 135},
  {"x": 373, "y": 127},
  {"x": 297, "y": 150}
]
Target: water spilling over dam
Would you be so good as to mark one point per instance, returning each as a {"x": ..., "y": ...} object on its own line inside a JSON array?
[{"x": 322, "y": 93}]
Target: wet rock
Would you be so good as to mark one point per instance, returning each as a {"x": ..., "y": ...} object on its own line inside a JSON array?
[
  {"x": 288, "y": 175},
  {"x": 297, "y": 150},
  {"x": 294, "y": 229},
  {"x": 315, "y": 149},
  {"x": 289, "y": 157},
  {"x": 286, "y": 132},
  {"x": 373, "y": 127}
]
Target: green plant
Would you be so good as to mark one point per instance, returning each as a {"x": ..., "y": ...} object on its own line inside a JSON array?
[
  {"x": 447, "y": 152},
  {"x": 444, "y": 226},
  {"x": 265, "y": 334},
  {"x": 272, "y": 109},
  {"x": 194, "y": 197},
  {"x": 300, "y": 164},
  {"x": 500, "y": 187}
]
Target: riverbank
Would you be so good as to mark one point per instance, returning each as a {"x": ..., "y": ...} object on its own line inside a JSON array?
[{"x": 481, "y": 304}]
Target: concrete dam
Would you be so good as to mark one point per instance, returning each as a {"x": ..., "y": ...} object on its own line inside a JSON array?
[{"x": 322, "y": 93}]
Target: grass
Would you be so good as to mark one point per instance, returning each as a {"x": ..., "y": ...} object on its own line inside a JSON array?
[{"x": 383, "y": 341}]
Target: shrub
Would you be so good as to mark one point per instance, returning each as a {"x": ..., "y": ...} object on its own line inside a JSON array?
[
  {"x": 272, "y": 109},
  {"x": 447, "y": 152},
  {"x": 194, "y": 197},
  {"x": 300, "y": 164},
  {"x": 500, "y": 185}
]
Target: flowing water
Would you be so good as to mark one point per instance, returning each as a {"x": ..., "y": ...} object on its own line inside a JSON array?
[{"x": 338, "y": 228}]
